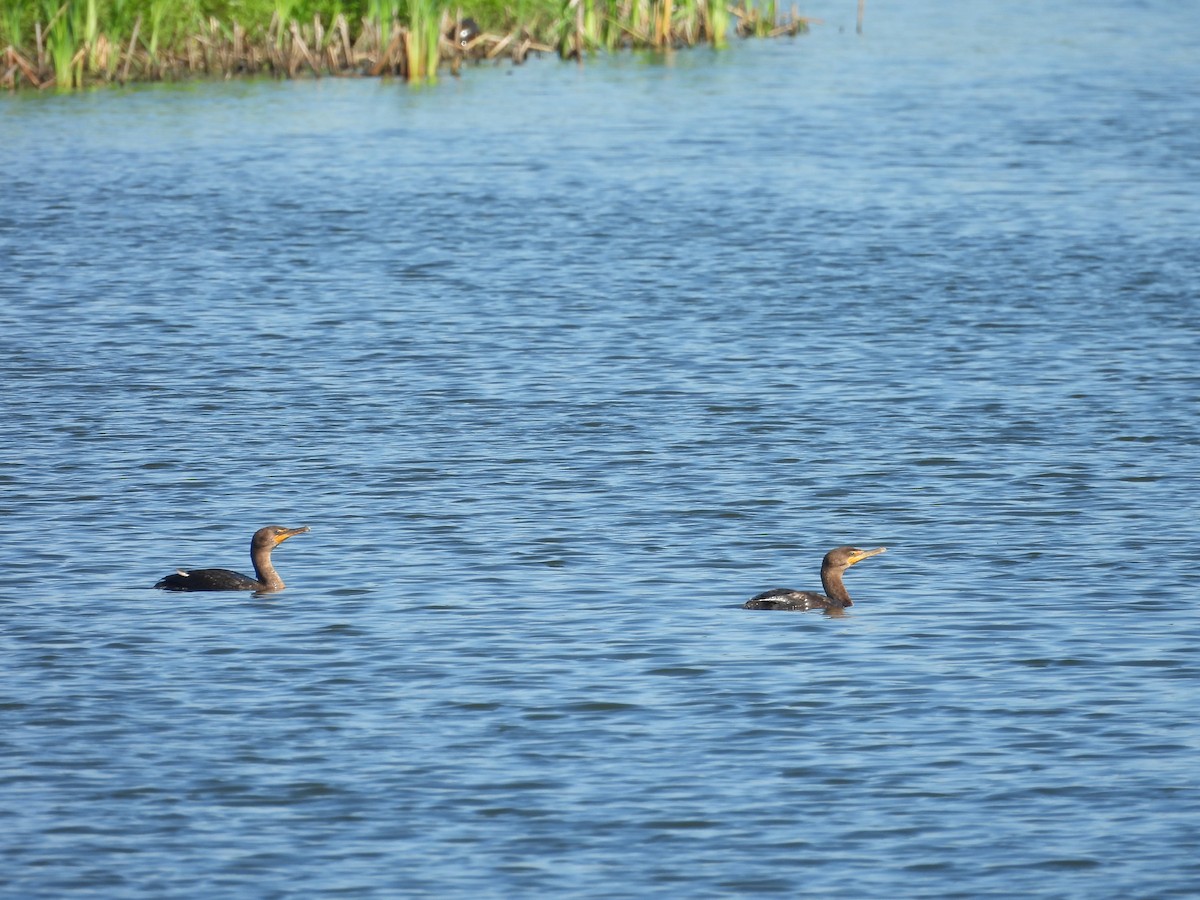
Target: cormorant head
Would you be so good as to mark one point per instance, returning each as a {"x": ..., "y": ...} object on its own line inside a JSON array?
[
  {"x": 845, "y": 557},
  {"x": 274, "y": 535}
]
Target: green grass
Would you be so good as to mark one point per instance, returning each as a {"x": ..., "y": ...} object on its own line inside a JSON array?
[{"x": 70, "y": 43}]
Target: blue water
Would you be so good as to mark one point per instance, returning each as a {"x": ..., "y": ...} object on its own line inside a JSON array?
[{"x": 561, "y": 364}]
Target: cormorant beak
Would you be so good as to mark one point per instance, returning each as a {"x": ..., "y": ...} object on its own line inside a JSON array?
[
  {"x": 860, "y": 555},
  {"x": 289, "y": 532}
]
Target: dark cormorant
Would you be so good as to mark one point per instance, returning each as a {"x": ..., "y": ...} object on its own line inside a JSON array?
[
  {"x": 465, "y": 31},
  {"x": 835, "y": 563},
  {"x": 267, "y": 579}
]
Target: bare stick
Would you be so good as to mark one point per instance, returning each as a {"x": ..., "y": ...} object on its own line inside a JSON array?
[{"x": 132, "y": 43}]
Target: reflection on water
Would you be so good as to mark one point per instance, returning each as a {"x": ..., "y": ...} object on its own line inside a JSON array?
[{"x": 563, "y": 364}]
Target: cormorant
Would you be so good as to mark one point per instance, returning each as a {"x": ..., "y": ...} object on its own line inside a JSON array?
[
  {"x": 836, "y": 597},
  {"x": 465, "y": 31},
  {"x": 266, "y": 579}
]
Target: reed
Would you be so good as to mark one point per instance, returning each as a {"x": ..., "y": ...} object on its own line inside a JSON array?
[
  {"x": 718, "y": 18},
  {"x": 689, "y": 23},
  {"x": 579, "y": 29},
  {"x": 158, "y": 16},
  {"x": 282, "y": 15},
  {"x": 662, "y": 24},
  {"x": 12, "y": 23},
  {"x": 70, "y": 43},
  {"x": 60, "y": 41},
  {"x": 636, "y": 21},
  {"x": 91, "y": 33},
  {"x": 422, "y": 50}
]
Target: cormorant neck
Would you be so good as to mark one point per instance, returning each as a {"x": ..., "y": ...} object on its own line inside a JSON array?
[
  {"x": 264, "y": 572},
  {"x": 831, "y": 580}
]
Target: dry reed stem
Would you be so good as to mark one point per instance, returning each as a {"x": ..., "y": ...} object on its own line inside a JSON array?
[
  {"x": 499, "y": 46},
  {"x": 137, "y": 26},
  {"x": 662, "y": 34},
  {"x": 344, "y": 28},
  {"x": 239, "y": 43},
  {"x": 395, "y": 47},
  {"x": 300, "y": 51},
  {"x": 16, "y": 61}
]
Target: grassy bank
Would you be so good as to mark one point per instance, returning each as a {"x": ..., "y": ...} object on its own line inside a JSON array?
[{"x": 72, "y": 43}]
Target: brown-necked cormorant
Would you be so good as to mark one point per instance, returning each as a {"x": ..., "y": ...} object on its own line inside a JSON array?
[
  {"x": 267, "y": 579},
  {"x": 836, "y": 596}
]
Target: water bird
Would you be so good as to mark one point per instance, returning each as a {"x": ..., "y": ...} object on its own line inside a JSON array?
[
  {"x": 836, "y": 597},
  {"x": 266, "y": 579},
  {"x": 464, "y": 32}
]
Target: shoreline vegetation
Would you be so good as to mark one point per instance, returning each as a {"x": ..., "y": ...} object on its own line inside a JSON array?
[{"x": 81, "y": 43}]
